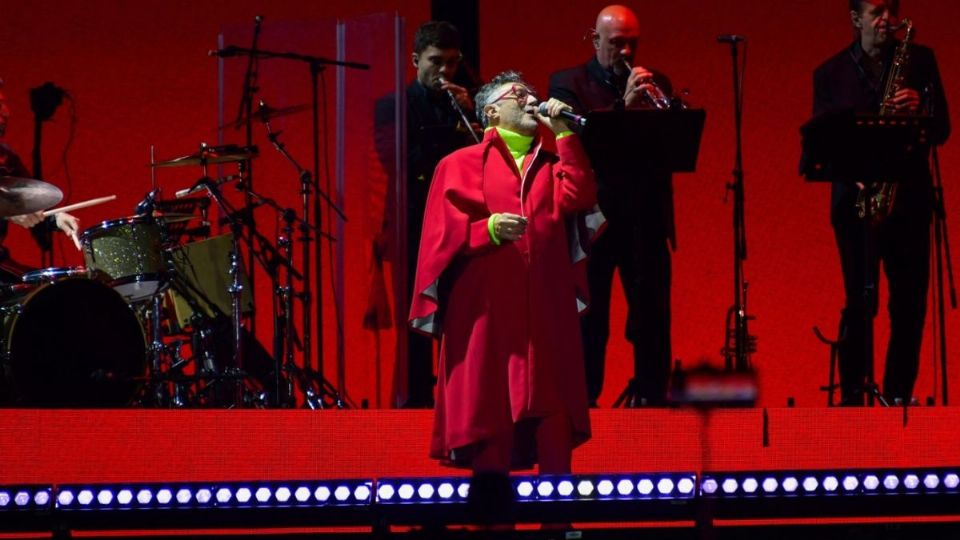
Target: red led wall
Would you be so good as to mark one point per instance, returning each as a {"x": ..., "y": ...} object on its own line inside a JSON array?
[{"x": 140, "y": 76}]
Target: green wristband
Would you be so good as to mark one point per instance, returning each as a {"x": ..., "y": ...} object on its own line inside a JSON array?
[{"x": 492, "y": 229}]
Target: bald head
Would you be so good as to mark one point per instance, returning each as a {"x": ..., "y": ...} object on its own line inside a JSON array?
[{"x": 617, "y": 32}]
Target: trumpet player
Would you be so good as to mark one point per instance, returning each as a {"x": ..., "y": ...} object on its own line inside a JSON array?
[
  {"x": 638, "y": 206},
  {"x": 858, "y": 78}
]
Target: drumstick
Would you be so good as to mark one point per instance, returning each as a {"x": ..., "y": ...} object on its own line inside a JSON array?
[{"x": 79, "y": 205}]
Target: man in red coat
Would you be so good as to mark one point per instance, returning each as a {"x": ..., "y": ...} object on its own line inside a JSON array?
[{"x": 497, "y": 282}]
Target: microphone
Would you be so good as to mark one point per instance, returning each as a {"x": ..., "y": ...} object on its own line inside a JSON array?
[
  {"x": 565, "y": 114},
  {"x": 145, "y": 206},
  {"x": 226, "y": 52},
  {"x": 730, "y": 38}
]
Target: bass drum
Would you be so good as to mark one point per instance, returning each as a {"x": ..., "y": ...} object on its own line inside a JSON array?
[{"x": 71, "y": 343}]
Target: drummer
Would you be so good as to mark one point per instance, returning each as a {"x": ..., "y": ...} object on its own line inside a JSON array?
[{"x": 11, "y": 165}]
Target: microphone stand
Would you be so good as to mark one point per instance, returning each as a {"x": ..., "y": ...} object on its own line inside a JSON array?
[
  {"x": 463, "y": 115},
  {"x": 316, "y": 65},
  {"x": 246, "y": 106},
  {"x": 941, "y": 252},
  {"x": 306, "y": 228},
  {"x": 737, "y": 356}
]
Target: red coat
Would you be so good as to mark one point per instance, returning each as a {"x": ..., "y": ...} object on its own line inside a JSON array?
[{"x": 507, "y": 315}]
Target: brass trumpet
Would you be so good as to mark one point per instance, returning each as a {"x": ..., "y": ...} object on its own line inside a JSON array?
[{"x": 655, "y": 95}]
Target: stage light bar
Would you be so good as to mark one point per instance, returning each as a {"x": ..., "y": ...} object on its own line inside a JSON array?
[
  {"x": 739, "y": 485},
  {"x": 441, "y": 490},
  {"x": 25, "y": 498},
  {"x": 220, "y": 495}
]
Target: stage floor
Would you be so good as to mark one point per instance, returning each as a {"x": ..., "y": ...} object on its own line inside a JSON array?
[{"x": 101, "y": 446}]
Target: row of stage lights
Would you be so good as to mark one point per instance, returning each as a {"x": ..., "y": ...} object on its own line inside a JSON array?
[{"x": 586, "y": 492}]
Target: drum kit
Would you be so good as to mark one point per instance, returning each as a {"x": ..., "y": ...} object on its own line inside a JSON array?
[{"x": 150, "y": 320}]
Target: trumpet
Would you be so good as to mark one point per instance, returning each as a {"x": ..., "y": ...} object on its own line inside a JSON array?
[{"x": 654, "y": 94}]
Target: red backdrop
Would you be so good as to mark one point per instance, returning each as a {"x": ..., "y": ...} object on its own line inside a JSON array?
[{"x": 140, "y": 76}]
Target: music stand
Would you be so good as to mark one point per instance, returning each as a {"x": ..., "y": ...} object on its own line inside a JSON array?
[
  {"x": 620, "y": 142},
  {"x": 849, "y": 148},
  {"x": 663, "y": 140}
]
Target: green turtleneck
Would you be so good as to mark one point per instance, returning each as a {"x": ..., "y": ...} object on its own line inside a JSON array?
[{"x": 518, "y": 144}]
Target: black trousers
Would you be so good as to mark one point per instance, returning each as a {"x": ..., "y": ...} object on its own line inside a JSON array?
[
  {"x": 644, "y": 266},
  {"x": 902, "y": 244},
  {"x": 420, "y": 377}
]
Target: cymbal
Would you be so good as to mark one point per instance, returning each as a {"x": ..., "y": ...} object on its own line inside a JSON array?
[
  {"x": 26, "y": 195},
  {"x": 266, "y": 113},
  {"x": 211, "y": 155}
]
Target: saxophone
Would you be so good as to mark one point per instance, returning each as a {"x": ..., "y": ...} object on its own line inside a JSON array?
[{"x": 876, "y": 200}]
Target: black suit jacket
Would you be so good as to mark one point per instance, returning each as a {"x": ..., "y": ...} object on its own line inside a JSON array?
[{"x": 643, "y": 199}]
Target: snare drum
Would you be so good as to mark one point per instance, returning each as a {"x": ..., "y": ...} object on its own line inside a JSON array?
[
  {"x": 73, "y": 342},
  {"x": 129, "y": 253}
]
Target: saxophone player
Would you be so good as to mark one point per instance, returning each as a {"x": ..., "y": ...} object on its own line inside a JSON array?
[{"x": 856, "y": 79}]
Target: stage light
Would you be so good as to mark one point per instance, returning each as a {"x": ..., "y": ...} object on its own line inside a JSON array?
[
  {"x": 64, "y": 498},
  {"x": 4, "y": 499},
  {"x": 124, "y": 497},
  {"x": 830, "y": 484},
  {"x": 105, "y": 497},
  {"x": 645, "y": 486},
  {"x": 891, "y": 482},
  {"x": 22, "y": 498},
  {"x": 709, "y": 486},
  {"x": 385, "y": 492},
  {"x": 911, "y": 481},
  {"x": 463, "y": 490},
  {"x": 850, "y": 483},
  {"x": 545, "y": 488},
  {"x": 41, "y": 498},
  {"x": 685, "y": 486},
  {"x": 750, "y": 485},
  {"x": 931, "y": 481},
  {"x": 362, "y": 493},
  {"x": 342, "y": 493},
  {"x": 184, "y": 495},
  {"x": 204, "y": 495},
  {"x": 665, "y": 486},
  {"x": 790, "y": 484},
  {"x": 164, "y": 496},
  {"x": 425, "y": 491},
  {"x": 406, "y": 492},
  {"x": 244, "y": 495},
  {"x": 565, "y": 488},
  {"x": 224, "y": 495},
  {"x": 729, "y": 486},
  {"x": 144, "y": 496},
  {"x": 445, "y": 490},
  {"x": 770, "y": 484},
  {"x": 262, "y": 494},
  {"x": 624, "y": 487},
  {"x": 322, "y": 494},
  {"x": 525, "y": 489},
  {"x": 282, "y": 494},
  {"x": 810, "y": 484},
  {"x": 302, "y": 494},
  {"x": 85, "y": 497},
  {"x": 951, "y": 481},
  {"x": 871, "y": 482},
  {"x": 585, "y": 488},
  {"x": 605, "y": 487}
]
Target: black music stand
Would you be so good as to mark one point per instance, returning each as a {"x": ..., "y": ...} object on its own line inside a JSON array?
[
  {"x": 665, "y": 140},
  {"x": 850, "y": 148},
  {"x": 620, "y": 141}
]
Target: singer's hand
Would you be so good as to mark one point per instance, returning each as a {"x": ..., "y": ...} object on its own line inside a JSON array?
[
  {"x": 906, "y": 100},
  {"x": 552, "y": 119},
  {"x": 70, "y": 225},
  {"x": 459, "y": 93},
  {"x": 510, "y": 227},
  {"x": 638, "y": 83}
]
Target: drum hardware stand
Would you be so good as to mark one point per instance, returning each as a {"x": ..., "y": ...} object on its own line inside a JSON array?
[
  {"x": 739, "y": 344},
  {"x": 286, "y": 343},
  {"x": 44, "y": 101},
  {"x": 306, "y": 181}
]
